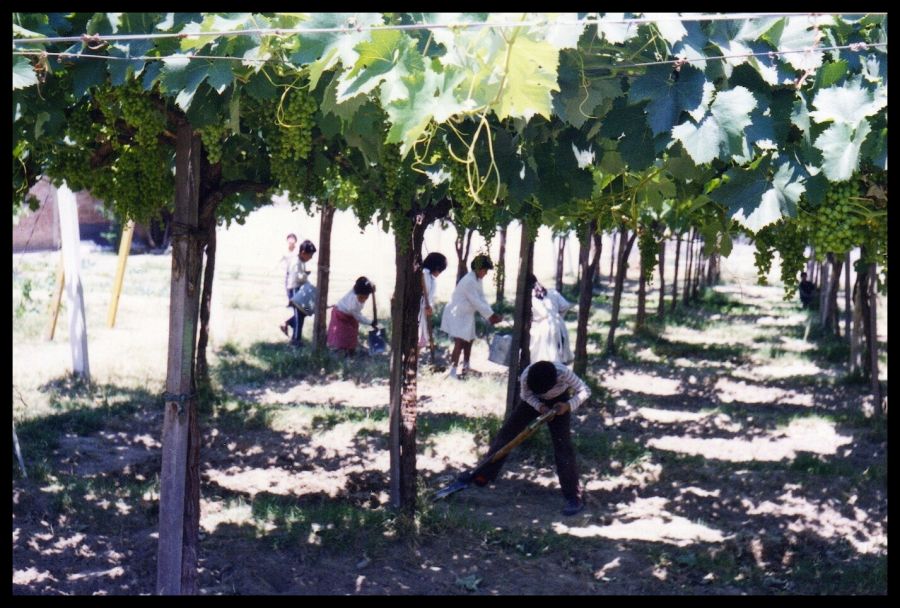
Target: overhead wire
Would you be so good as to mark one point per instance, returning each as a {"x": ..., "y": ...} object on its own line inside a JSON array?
[
  {"x": 856, "y": 47},
  {"x": 96, "y": 38}
]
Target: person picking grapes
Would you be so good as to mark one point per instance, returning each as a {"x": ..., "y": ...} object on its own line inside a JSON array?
[
  {"x": 343, "y": 330},
  {"x": 458, "y": 320}
]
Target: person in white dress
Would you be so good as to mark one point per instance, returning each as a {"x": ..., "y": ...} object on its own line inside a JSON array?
[
  {"x": 549, "y": 335},
  {"x": 458, "y": 320},
  {"x": 432, "y": 267}
]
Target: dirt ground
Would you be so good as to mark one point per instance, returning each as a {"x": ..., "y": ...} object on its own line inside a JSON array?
[{"x": 722, "y": 455}]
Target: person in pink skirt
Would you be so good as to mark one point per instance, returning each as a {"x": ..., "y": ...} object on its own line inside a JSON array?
[{"x": 343, "y": 329}]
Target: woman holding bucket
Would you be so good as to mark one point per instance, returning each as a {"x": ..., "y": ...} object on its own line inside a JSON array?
[
  {"x": 459, "y": 316},
  {"x": 297, "y": 275},
  {"x": 343, "y": 330}
]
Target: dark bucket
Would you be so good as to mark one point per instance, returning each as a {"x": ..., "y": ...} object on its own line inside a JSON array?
[{"x": 377, "y": 342}]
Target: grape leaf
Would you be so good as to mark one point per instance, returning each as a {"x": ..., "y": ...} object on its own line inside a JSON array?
[
  {"x": 387, "y": 58},
  {"x": 529, "y": 80},
  {"x": 23, "y": 74},
  {"x": 848, "y": 104},
  {"x": 721, "y": 133},
  {"x": 670, "y": 93},
  {"x": 840, "y": 145},
  {"x": 431, "y": 95},
  {"x": 576, "y": 99},
  {"x": 755, "y": 199}
]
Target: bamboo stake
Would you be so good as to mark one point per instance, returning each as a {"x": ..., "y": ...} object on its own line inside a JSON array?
[
  {"x": 124, "y": 249},
  {"x": 57, "y": 299}
]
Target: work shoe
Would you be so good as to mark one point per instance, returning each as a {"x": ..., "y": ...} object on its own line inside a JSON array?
[{"x": 573, "y": 506}]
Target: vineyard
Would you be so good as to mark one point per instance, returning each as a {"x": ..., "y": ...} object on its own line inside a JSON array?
[{"x": 687, "y": 169}]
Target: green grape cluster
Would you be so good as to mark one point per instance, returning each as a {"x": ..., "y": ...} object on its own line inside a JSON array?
[
  {"x": 213, "y": 136},
  {"x": 787, "y": 237},
  {"x": 139, "y": 111},
  {"x": 136, "y": 180},
  {"x": 339, "y": 187},
  {"x": 763, "y": 254},
  {"x": 297, "y": 124},
  {"x": 649, "y": 250},
  {"x": 838, "y": 225}
]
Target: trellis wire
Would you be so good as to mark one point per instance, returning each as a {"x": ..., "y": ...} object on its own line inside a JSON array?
[
  {"x": 95, "y": 38},
  {"x": 855, "y": 47}
]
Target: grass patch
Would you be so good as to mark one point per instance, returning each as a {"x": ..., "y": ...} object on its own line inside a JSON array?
[
  {"x": 264, "y": 362},
  {"x": 668, "y": 349},
  {"x": 333, "y": 525},
  {"x": 484, "y": 428},
  {"x": 862, "y": 575},
  {"x": 330, "y": 417}
]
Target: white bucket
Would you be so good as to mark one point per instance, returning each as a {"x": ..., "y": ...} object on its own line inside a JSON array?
[
  {"x": 501, "y": 345},
  {"x": 305, "y": 299}
]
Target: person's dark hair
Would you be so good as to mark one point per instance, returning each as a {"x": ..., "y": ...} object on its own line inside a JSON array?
[
  {"x": 307, "y": 247},
  {"x": 541, "y": 377},
  {"x": 538, "y": 290},
  {"x": 482, "y": 262},
  {"x": 291, "y": 236},
  {"x": 435, "y": 262},
  {"x": 363, "y": 286},
  {"x": 802, "y": 275}
]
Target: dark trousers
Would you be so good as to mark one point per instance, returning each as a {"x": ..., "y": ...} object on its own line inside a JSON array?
[
  {"x": 563, "y": 451},
  {"x": 295, "y": 321}
]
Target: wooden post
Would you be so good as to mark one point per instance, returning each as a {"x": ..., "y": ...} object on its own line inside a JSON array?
[
  {"x": 320, "y": 332},
  {"x": 56, "y": 299},
  {"x": 124, "y": 249},
  {"x": 661, "y": 307},
  {"x": 18, "y": 451},
  {"x": 405, "y": 358},
  {"x": 560, "y": 256},
  {"x": 501, "y": 267},
  {"x": 71, "y": 239},
  {"x": 872, "y": 339},
  {"x": 625, "y": 244},
  {"x": 176, "y": 565},
  {"x": 847, "y": 313},
  {"x": 689, "y": 257},
  {"x": 520, "y": 355},
  {"x": 675, "y": 278},
  {"x": 589, "y": 271}
]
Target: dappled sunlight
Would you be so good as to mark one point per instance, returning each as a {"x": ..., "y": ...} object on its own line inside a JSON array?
[
  {"x": 790, "y": 320},
  {"x": 795, "y": 345},
  {"x": 761, "y": 372},
  {"x": 32, "y": 575},
  {"x": 806, "y": 435},
  {"x": 333, "y": 392},
  {"x": 105, "y": 452},
  {"x": 724, "y": 335},
  {"x": 214, "y": 513},
  {"x": 339, "y": 440},
  {"x": 671, "y": 416},
  {"x": 455, "y": 449},
  {"x": 642, "y": 383},
  {"x": 729, "y": 391},
  {"x": 647, "y": 519},
  {"x": 823, "y": 519},
  {"x": 277, "y": 480},
  {"x": 638, "y": 474}
]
